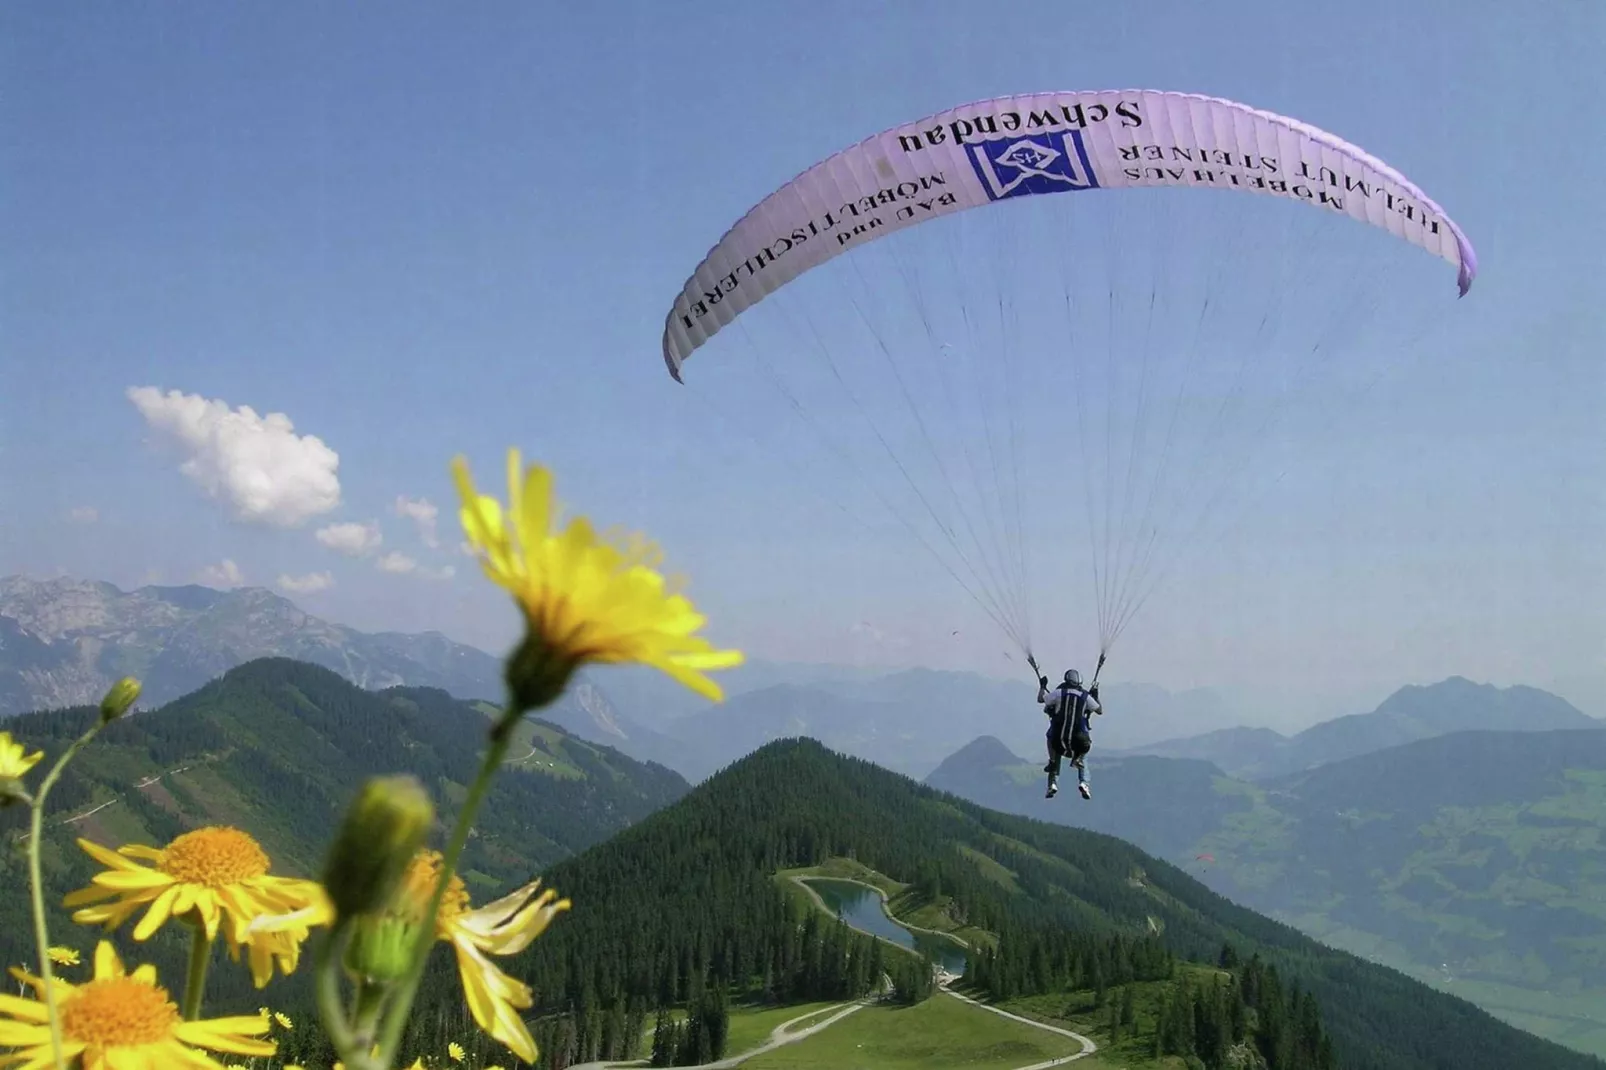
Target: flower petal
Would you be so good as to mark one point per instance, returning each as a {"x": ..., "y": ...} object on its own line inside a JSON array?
[
  {"x": 107, "y": 964},
  {"x": 158, "y": 914}
]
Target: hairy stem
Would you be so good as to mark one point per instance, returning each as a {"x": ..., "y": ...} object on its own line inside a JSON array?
[
  {"x": 41, "y": 930},
  {"x": 333, "y": 1015},
  {"x": 402, "y": 1005},
  {"x": 366, "y": 1009}
]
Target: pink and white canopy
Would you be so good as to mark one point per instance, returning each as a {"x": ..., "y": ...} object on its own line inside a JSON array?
[{"x": 1042, "y": 143}]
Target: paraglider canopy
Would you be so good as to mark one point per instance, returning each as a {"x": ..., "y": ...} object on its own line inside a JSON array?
[
  {"x": 1153, "y": 390},
  {"x": 1043, "y": 143}
]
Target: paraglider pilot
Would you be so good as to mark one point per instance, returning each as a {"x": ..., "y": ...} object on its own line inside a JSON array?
[{"x": 1069, "y": 707}]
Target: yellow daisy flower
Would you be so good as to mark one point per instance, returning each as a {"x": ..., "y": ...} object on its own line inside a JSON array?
[
  {"x": 119, "y": 1021},
  {"x": 454, "y": 1051},
  {"x": 64, "y": 956},
  {"x": 504, "y": 927},
  {"x": 14, "y": 761},
  {"x": 218, "y": 874},
  {"x": 584, "y": 598}
]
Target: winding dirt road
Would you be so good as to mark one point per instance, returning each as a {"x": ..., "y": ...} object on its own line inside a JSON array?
[
  {"x": 779, "y": 1036},
  {"x": 1088, "y": 1047}
]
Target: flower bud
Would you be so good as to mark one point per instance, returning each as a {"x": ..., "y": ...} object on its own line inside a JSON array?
[
  {"x": 384, "y": 827},
  {"x": 119, "y": 699},
  {"x": 12, "y": 791},
  {"x": 381, "y": 948}
]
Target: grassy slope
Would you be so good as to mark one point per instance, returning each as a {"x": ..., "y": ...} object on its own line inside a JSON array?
[
  {"x": 751, "y": 1026},
  {"x": 1495, "y": 892},
  {"x": 942, "y": 1031},
  {"x": 1475, "y": 863}
]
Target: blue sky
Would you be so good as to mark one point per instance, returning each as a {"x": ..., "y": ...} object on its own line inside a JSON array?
[{"x": 417, "y": 231}]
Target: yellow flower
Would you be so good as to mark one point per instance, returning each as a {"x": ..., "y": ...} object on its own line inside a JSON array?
[
  {"x": 119, "y": 1021},
  {"x": 275, "y": 1016},
  {"x": 504, "y": 927},
  {"x": 13, "y": 761},
  {"x": 64, "y": 956},
  {"x": 454, "y": 1051},
  {"x": 217, "y": 874},
  {"x": 584, "y": 598}
]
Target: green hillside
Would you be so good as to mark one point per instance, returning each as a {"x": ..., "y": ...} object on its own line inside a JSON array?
[
  {"x": 278, "y": 747},
  {"x": 684, "y": 902},
  {"x": 1475, "y": 861}
]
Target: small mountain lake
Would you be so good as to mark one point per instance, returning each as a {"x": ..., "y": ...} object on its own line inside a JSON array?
[{"x": 863, "y": 908}]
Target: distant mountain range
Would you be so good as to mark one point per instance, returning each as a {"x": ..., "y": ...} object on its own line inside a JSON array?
[
  {"x": 1473, "y": 860},
  {"x": 64, "y": 641},
  {"x": 906, "y": 720},
  {"x": 911, "y": 721},
  {"x": 1411, "y": 713},
  {"x": 1164, "y": 805}
]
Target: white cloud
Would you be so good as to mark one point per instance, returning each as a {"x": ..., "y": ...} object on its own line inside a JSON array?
[
  {"x": 84, "y": 514},
  {"x": 351, "y": 539},
  {"x": 312, "y": 581},
  {"x": 224, "y": 574},
  {"x": 424, "y": 513},
  {"x": 396, "y": 561},
  {"x": 399, "y": 563},
  {"x": 257, "y": 465}
]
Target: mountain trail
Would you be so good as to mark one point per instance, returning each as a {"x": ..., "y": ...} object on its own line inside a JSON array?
[
  {"x": 779, "y": 1036},
  {"x": 783, "y": 1034},
  {"x": 1088, "y": 1046}
]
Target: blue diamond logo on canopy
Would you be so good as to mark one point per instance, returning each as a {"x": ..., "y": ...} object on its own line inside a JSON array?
[
  {"x": 1015, "y": 167},
  {"x": 1028, "y": 156}
]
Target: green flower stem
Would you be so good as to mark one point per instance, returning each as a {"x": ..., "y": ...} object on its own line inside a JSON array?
[
  {"x": 41, "y": 931},
  {"x": 368, "y": 1005},
  {"x": 200, "y": 959},
  {"x": 333, "y": 1015},
  {"x": 402, "y": 1005}
]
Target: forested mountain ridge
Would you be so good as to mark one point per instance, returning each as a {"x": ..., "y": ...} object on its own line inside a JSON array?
[
  {"x": 683, "y": 902},
  {"x": 277, "y": 748}
]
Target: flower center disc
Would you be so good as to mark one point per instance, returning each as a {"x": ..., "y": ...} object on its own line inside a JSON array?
[
  {"x": 214, "y": 857},
  {"x": 418, "y": 884},
  {"x": 119, "y": 1011}
]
